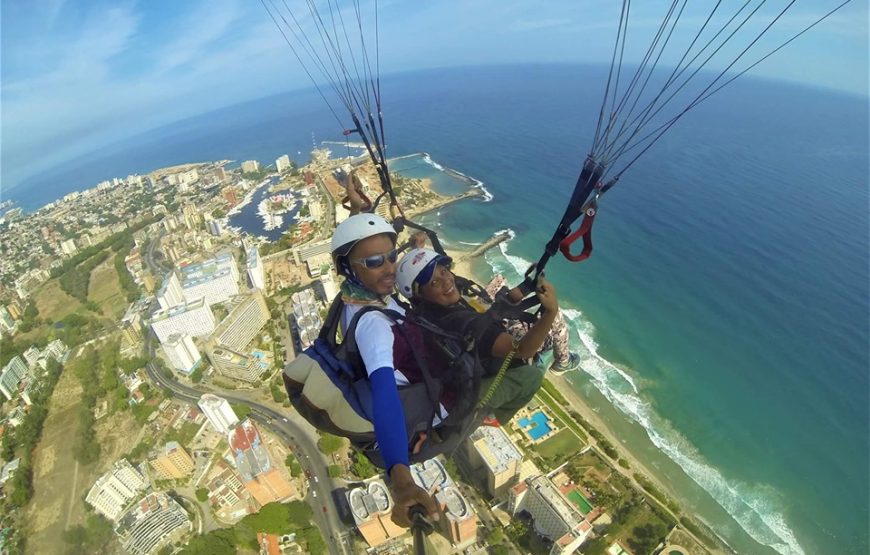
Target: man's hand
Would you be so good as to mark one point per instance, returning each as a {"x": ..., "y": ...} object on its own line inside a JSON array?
[
  {"x": 547, "y": 295},
  {"x": 406, "y": 494},
  {"x": 353, "y": 187}
]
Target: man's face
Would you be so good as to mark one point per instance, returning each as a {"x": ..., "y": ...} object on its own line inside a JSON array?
[
  {"x": 441, "y": 289},
  {"x": 378, "y": 279}
]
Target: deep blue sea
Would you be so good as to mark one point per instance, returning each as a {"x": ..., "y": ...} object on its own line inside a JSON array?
[{"x": 723, "y": 319}]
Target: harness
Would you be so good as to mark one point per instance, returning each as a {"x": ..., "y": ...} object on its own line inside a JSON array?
[{"x": 329, "y": 386}]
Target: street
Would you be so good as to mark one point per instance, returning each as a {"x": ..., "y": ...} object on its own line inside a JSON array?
[{"x": 302, "y": 440}]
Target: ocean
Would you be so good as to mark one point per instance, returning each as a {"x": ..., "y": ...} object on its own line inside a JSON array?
[{"x": 723, "y": 317}]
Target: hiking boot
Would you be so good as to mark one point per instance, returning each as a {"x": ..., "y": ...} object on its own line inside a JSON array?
[{"x": 572, "y": 363}]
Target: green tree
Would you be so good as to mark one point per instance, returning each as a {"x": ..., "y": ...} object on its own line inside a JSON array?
[
  {"x": 329, "y": 444},
  {"x": 362, "y": 467},
  {"x": 202, "y": 495},
  {"x": 334, "y": 471},
  {"x": 496, "y": 535},
  {"x": 241, "y": 410},
  {"x": 313, "y": 540}
]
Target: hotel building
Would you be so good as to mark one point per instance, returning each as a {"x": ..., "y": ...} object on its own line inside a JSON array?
[
  {"x": 491, "y": 453},
  {"x": 218, "y": 412},
  {"x": 192, "y": 318},
  {"x": 114, "y": 490}
]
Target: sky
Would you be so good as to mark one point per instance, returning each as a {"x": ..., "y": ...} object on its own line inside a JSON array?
[{"x": 77, "y": 75}]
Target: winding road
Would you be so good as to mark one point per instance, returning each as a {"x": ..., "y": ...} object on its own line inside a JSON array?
[{"x": 301, "y": 438}]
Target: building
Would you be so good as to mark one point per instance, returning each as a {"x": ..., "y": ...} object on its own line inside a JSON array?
[
  {"x": 68, "y": 247},
  {"x": 282, "y": 163},
  {"x": 554, "y": 516},
  {"x": 230, "y": 194},
  {"x": 458, "y": 520},
  {"x": 371, "y": 506},
  {"x": 255, "y": 269},
  {"x": 170, "y": 293},
  {"x": 248, "y": 450},
  {"x": 7, "y": 323},
  {"x": 216, "y": 279},
  {"x": 191, "y": 216},
  {"x": 217, "y": 226},
  {"x": 493, "y": 455},
  {"x": 115, "y": 489},
  {"x": 250, "y": 166},
  {"x": 270, "y": 487},
  {"x": 330, "y": 288},
  {"x": 31, "y": 355},
  {"x": 11, "y": 376},
  {"x": 56, "y": 350},
  {"x": 193, "y": 318},
  {"x": 218, "y": 412},
  {"x": 306, "y": 316},
  {"x": 227, "y": 493},
  {"x": 243, "y": 323},
  {"x": 131, "y": 326},
  {"x": 235, "y": 365},
  {"x": 155, "y": 521},
  {"x": 173, "y": 463},
  {"x": 182, "y": 353}
]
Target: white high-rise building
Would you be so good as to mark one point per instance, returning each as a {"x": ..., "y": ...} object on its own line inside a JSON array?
[
  {"x": 31, "y": 355},
  {"x": 330, "y": 288},
  {"x": 255, "y": 269},
  {"x": 218, "y": 412},
  {"x": 11, "y": 376},
  {"x": 250, "y": 166},
  {"x": 243, "y": 323},
  {"x": 193, "y": 318},
  {"x": 115, "y": 489},
  {"x": 282, "y": 163},
  {"x": 217, "y": 279},
  {"x": 170, "y": 293},
  {"x": 56, "y": 350},
  {"x": 182, "y": 353}
]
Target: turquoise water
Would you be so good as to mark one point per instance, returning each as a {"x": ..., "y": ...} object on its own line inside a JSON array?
[
  {"x": 537, "y": 426},
  {"x": 722, "y": 320}
]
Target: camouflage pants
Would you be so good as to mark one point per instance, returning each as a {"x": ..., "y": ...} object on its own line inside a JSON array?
[{"x": 557, "y": 339}]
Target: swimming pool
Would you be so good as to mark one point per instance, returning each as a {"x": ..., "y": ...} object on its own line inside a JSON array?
[
  {"x": 582, "y": 503},
  {"x": 537, "y": 426}
]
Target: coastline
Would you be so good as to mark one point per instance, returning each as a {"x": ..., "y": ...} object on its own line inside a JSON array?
[{"x": 466, "y": 262}]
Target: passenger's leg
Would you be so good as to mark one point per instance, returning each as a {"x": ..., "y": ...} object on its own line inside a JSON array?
[{"x": 516, "y": 389}]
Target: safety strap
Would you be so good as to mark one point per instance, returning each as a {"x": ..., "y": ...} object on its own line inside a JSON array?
[{"x": 585, "y": 231}]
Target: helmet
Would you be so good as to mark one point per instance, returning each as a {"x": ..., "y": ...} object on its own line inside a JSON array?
[
  {"x": 356, "y": 228},
  {"x": 416, "y": 268}
]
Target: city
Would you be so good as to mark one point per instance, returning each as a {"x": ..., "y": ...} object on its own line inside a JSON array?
[{"x": 144, "y": 411}]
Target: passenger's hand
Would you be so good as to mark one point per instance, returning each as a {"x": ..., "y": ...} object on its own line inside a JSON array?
[
  {"x": 547, "y": 296},
  {"x": 353, "y": 187},
  {"x": 406, "y": 494},
  {"x": 418, "y": 240}
]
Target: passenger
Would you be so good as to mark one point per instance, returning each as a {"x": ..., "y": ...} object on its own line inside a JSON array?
[
  {"x": 424, "y": 277},
  {"x": 364, "y": 252}
]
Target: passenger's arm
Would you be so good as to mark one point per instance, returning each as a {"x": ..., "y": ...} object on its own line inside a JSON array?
[{"x": 534, "y": 339}]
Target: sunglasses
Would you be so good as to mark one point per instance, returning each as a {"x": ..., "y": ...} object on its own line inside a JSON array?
[{"x": 377, "y": 260}]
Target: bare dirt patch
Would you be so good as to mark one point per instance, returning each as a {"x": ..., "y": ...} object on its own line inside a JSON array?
[
  {"x": 54, "y": 469},
  {"x": 104, "y": 289},
  {"x": 52, "y": 302}
]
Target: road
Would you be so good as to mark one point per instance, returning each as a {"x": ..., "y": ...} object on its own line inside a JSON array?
[{"x": 302, "y": 442}]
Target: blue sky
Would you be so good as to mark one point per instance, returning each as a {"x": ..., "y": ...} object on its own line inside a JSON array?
[{"x": 77, "y": 75}]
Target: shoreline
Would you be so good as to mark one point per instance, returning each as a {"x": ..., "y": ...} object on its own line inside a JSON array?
[{"x": 669, "y": 494}]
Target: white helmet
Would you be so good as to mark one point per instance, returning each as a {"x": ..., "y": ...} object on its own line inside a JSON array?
[
  {"x": 417, "y": 266},
  {"x": 356, "y": 228}
]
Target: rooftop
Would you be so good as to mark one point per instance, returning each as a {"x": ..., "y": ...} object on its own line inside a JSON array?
[{"x": 495, "y": 448}]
